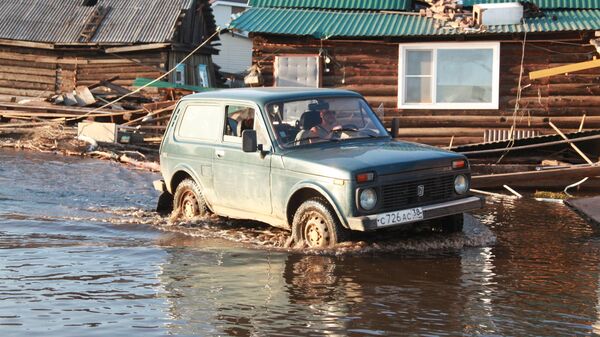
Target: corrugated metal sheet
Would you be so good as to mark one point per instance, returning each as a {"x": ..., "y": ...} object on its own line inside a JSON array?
[
  {"x": 547, "y": 4},
  {"x": 325, "y": 24},
  {"x": 390, "y": 5},
  {"x": 61, "y": 21}
]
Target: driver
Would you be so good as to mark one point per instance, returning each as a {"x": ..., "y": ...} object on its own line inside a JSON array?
[{"x": 328, "y": 124}]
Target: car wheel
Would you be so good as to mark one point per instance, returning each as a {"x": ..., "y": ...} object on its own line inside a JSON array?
[
  {"x": 189, "y": 201},
  {"x": 315, "y": 225},
  {"x": 451, "y": 223}
]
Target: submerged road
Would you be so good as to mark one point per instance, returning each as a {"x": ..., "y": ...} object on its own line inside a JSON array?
[{"x": 81, "y": 254}]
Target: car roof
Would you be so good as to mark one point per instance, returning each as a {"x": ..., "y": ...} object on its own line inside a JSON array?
[{"x": 265, "y": 95}]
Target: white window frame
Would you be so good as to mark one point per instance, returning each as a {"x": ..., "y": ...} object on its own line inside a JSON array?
[{"x": 435, "y": 46}]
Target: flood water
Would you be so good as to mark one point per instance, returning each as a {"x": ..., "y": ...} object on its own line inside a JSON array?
[{"x": 81, "y": 254}]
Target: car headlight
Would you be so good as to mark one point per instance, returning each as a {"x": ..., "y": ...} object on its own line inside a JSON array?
[
  {"x": 368, "y": 199},
  {"x": 461, "y": 184}
]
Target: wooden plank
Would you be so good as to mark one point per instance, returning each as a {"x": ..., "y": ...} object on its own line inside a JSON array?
[
  {"x": 12, "y": 113},
  {"x": 25, "y": 92},
  {"x": 38, "y": 58},
  {"x": 28, "y": 78},
  {"x": 564, "y": 69},
  {"x": 532, "y": 146},
  {"x": 26, "y": 85},
  {"x": 26, "y": 44},
  {"x": 571, "y": 173},
  {"x": 150, "y": 46},
  {"x": 50, "y": 108},
  {"x": 571, "y": 143},
  {"x": 31, "y": 70}
]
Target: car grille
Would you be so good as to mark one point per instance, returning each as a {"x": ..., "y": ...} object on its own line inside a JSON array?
[{"x": 405, "y": 194}]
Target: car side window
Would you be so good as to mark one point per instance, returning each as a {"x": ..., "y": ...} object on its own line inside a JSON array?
[
  {"x": 201, "y": 122},
  {"x": 238, "y": 119}
]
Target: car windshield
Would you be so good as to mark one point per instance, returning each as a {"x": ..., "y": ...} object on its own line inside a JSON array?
[{"x": 319, "y": 120}]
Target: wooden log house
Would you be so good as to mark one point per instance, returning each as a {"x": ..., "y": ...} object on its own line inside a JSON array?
[
  {"x": 441, "y": 82},
  {"x": 49, "y": 47}
]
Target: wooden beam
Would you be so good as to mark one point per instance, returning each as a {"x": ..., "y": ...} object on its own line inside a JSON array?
[
  {"x": 571, "y": 143},
  {"x": 140, "y": 47},
  {"x": 564, "y": 176},
  {"x": 26, "y": 44},
  {"x": 564, "y": 69}
]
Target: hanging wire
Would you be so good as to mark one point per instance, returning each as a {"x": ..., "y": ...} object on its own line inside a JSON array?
[
  {"x": 151, "y": 82},
  {"x": 513, "y": 128}
]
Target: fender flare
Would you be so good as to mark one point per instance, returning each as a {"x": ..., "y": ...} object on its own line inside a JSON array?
[{"x": 321, "y": 190}]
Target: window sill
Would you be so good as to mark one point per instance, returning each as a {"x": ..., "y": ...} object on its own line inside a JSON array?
[{"x": 450, "y": 106}]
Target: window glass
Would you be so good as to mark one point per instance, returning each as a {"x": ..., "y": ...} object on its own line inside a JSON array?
[
  {"x": 203, "y": 76},
  {"x": 201, "y": 122},
  {"x": 239, "y": 118},
  {"x": 418, "y": 90},
  {"x": 418, "y": 62},
  {"x": 323, "y": 119},
  {"x": 449, "y": 75},
  {"x": 180, "y": 74},
  {"x": 419, "y": 76},
  {"x": 464, "y": 75}
]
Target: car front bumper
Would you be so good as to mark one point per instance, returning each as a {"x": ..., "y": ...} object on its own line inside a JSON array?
[{"x": 369, "y": 222}]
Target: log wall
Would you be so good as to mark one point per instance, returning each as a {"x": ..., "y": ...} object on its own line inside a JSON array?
[
  {"x": 29, "y": 72},
  {"x": 371, "y": 68}
]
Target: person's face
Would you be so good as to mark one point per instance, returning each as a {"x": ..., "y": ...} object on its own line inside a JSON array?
[{"x": 328, "y": 116}]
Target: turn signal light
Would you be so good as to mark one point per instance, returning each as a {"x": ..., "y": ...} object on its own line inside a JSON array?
[
  {"x": 365, "y": 177},
  {"x": 458, "y": 164}
]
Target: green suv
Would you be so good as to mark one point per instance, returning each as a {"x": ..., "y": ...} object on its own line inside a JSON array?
[{"x": 317, "y": 162}]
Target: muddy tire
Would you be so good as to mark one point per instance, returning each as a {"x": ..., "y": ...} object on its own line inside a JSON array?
[
  {"x": 188, "y": 200},
  {"x": 451, "y": 224},
  {"x": 315, "y": 225}
]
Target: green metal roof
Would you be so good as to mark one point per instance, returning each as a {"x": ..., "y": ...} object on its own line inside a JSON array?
[
  {"x": 545, "y": 4},
  {"x": 390, "y": 5},
  {"x": 323, "y": 24}
]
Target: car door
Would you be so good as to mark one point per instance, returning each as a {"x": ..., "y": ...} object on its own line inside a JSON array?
[{"x": 242, "y": 180}]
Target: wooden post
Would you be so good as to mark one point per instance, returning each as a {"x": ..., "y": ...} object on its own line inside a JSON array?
[
  {"x": 582, "y": 121},
  {"x": 395, "y": 127},
  {"x": 571, "y": 143}
]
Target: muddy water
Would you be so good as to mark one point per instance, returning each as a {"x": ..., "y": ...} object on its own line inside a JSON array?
[{"x": 81, "y": 254}]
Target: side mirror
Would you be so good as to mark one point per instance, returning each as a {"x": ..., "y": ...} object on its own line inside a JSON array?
[{"x": 249, "y": 142}]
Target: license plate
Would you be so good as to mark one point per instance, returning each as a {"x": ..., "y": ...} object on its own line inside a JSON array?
[{"x": 398, "y": 217}]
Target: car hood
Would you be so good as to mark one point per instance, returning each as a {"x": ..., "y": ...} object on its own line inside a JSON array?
[{"x": 344, "y": 160}]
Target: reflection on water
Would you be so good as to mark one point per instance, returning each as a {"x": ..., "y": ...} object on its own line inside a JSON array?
[{"x": 82, "y": 255}]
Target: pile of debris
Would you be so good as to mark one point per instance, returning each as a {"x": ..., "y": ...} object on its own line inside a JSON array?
[
  {"x": 100, "y": 94},
  {"x": 89, "y": 122},
  {"x": 448, "y": 13},
  {"x": 451, "y": 14}
]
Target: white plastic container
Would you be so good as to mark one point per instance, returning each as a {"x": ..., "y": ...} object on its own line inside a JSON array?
[{"x": 498, "y": 14}]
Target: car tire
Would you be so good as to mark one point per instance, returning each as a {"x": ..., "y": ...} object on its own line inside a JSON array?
[
  {"x": 188, "y": 200},
  {"x": 451, "y": 224},
  {"x": 315, "y": 225}
]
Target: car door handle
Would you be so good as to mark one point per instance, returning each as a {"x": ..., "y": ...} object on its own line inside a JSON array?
[{"x": 220, "y": 153}]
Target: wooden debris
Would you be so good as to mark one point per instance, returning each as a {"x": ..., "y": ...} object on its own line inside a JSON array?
[
  {"x": 448, "y": 13},
  {"x": 84, "y": 96},
  {"x": 558, "y": 177}
]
